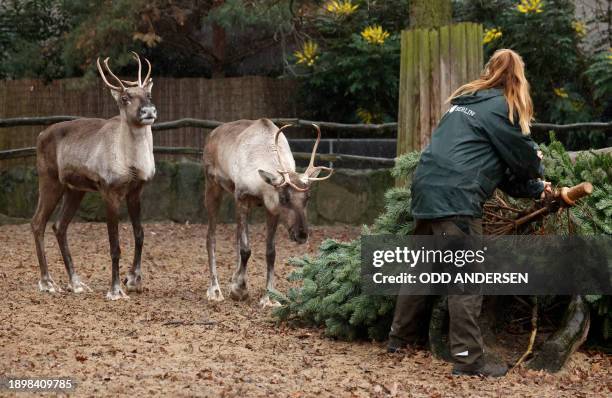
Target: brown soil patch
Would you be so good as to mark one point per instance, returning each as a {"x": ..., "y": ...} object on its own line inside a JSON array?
[{"x": 170, "y": 341}]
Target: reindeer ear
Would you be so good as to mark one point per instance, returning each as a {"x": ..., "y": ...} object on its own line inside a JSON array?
[
  {"x": 270, "y": 178},
  {"x": 115, "y": 93},
  {"x": 149, "y": 86}
]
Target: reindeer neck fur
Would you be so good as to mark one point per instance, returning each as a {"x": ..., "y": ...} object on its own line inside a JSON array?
[
  {"x": 116, "y": 153},
  {"x": 137, "y": 144}
]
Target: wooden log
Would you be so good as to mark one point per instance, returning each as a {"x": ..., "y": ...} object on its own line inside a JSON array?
[
  {"x": 572, "y": 194},
  {"x": 17, "y": 153},
  {"x": 445, "y": 69},
  {"x": 423, "y": 131},
  {"x": 602, "y": 151},
  {"x": 556, "y": 351},
  {"x": 434, "y": 78},
  {"x": 35, "y": 121},
  {"x": 572, "y": 126},
  {"x": 187, "y": 122}
]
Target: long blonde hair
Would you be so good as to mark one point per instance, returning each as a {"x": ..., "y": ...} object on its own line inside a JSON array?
[{"x": 505, "y": 70}]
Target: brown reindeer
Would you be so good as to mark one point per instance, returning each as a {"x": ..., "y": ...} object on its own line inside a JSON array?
[
  {"x": 113, "y": 157},
  {"x": 252, "y": 161}
]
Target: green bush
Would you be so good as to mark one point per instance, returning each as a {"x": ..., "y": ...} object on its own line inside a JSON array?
[{"x": 349, "y": 61}]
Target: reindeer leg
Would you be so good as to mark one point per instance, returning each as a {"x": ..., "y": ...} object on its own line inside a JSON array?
[
  {"x": 49, "y": 193},
  {"x": 212, "y": 200},
  {"x": 134, "y": 276},
  {"x": 271, "y": 225},
  {"x": 112, "y": 224},
  {"x": 70, "y": 205},
  {"x": 239, "y": 287}
]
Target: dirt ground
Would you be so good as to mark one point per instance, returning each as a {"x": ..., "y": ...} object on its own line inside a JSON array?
[{"x": 170, "y": 341}]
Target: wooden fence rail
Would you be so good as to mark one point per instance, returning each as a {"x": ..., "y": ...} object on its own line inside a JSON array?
[
  {"x": 325, "y": 157},
  {"x": 211, "y": 124},
  {"x": 203, "y": 123}
]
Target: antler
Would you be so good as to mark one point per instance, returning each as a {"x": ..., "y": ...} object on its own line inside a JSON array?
[
  {"x": 147, "y": 78},
  {"x": 283, "y": 169},
  {"x": 111, "y": 73},
  {"x": 140, "y": 82},
  {"x": 311, "y": 166}
]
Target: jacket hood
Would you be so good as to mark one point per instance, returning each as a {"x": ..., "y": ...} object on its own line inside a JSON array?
[{"x": 478, "y": 96}]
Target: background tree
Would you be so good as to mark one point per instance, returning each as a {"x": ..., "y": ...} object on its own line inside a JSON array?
[
  {"x": 30, "y": 39},
  {"x": 430, "y": 13},
  {"x": 348, "y": 62},
  {"x": 550, "y": 39}
]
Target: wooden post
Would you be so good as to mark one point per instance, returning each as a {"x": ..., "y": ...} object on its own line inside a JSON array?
[{"x": 434, "y": 62}]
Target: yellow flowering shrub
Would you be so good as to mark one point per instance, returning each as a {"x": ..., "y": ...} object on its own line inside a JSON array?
[
  {"x": 579, "y": 28},
  {"x": 308, "y": 54},
  {"x": 375, "y": 34},
  {"x": 530, "y": 6},
  {"x": 491, "y": 35},
  {"x": 560, "y": 92},
  {"x": 341, "y": 8}
]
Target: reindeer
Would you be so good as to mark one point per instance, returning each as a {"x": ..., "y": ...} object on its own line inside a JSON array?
[
  {"x": 113, "y": 157},
  {"x": 252, "y": 161}
]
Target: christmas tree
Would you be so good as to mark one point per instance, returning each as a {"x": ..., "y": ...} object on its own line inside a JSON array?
[{"x": 330, "y": 293}]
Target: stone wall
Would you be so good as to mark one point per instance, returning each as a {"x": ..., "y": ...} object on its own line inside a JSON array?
[{"x": 176, "y": 194}]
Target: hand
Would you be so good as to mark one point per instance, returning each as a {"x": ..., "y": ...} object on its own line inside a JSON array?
[
  {"x": 547, "y": 189},
  {"x": 540, "y": 155}
]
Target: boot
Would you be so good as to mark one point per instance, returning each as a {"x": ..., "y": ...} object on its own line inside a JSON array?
[{"x": 395, "y": 345}]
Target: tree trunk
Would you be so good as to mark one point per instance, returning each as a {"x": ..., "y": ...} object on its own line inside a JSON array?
[
  {"x": 430, "y": 13},
  {"x": 565, "y": 341}
]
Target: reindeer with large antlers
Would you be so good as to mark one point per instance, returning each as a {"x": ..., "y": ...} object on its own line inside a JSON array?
[
  {"x": 113, "y": 157},
  {"x": 252, "y": 161}
]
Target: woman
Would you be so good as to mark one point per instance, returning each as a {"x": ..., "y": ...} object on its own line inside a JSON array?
[{"x": 481, "y": 143}]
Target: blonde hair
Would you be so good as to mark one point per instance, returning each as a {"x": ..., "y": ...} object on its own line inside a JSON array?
[{"x": 505, "y": 70}]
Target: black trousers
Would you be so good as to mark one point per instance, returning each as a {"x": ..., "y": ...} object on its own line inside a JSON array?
[{"x": 466, "y": 345}]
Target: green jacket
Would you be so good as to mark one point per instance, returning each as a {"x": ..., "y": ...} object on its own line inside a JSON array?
[{"x": 474, "y": 150}]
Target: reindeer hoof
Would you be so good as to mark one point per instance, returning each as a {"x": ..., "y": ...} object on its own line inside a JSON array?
[
  {"x": 47, "y": 285},
  {"x": 238, "y": 293},
  {"x": 266, "y": 301},
  {"x": 133, "y": 283},
  {"x": 116, "y": 294},
  {"x": 214, "y": 294},
  {"x": 76, "y": 286}
]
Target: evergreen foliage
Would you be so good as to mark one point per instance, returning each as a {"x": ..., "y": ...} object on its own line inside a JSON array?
[{"x": 330, "y": 293}]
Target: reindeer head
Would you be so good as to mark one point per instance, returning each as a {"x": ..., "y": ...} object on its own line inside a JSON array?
[
  {"x": 134, "y": 101},
  {"x": 293, "y": 190}
]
